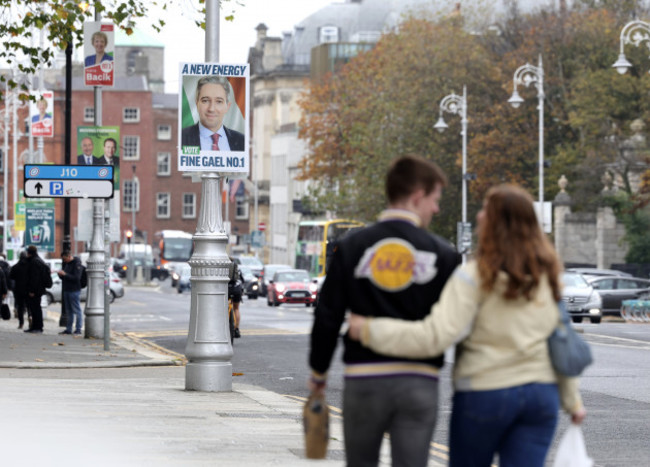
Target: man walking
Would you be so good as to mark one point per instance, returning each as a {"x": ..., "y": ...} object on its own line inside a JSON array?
[
  {"x": 39, "y": 280},
  {"x": 71, "y": 284},
  {"x": 19, "y": 275},
  {"x": 393, "y": 268}
]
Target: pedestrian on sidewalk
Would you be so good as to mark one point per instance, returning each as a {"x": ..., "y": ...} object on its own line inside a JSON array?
[
  {"x": 235, "y": 292},
  {"x": 19, "y": 275},
  {"x": 71, "y": 285},
  {"x": 397, "y": 268},
  {"x": 39, "y": 280},
  {"x": 500, "y": 308}
]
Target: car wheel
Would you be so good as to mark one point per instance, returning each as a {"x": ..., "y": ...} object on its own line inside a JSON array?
[
  {"x": 595, "y": 320},
  {"x": 112, "y": 296},
  {"x": 307, "y": 304},
  {"x": 577, "y": 319},
  {"x": 49, "y": 298}
]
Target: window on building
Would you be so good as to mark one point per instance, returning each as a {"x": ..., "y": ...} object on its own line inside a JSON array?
[
  {"x": 131, "y": 115},
  {"x": 131, "y": 195},
  {"x": 131, "y": 148},
  {"x": 329, "y": 34},
  {"x": 164, "y": 163},
  {"x": 163, "y": 210},
  {"x": 189, "y": 205},
  {"x": 164, "y": 132},
  {"x": 241, "y": 207},
  {"x": 89, "y": 114}
]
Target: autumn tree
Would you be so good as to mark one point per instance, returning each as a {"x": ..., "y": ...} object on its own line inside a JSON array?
[{"x": 383, "y": 104}]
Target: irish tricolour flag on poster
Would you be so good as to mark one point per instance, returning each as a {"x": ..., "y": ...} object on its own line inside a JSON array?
[{"x": 213, "y": 130}]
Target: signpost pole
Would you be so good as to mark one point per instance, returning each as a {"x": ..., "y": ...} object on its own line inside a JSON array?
[
  {"x": 208, "y": 348},
  {"x": 96, "y": 322}
]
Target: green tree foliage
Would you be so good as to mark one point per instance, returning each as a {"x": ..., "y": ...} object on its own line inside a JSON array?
[{"x": 62, "y": 22}]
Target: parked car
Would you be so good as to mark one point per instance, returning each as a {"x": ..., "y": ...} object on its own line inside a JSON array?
[
  {"x": 595, "y": 272},
  {"x": 582, "y": 301},
  {"x": 614, "y": 289},
  {"x": 183, "y": 282},
  {"x": 267, "y": 274},
  {"x": 291, "y": 286},
  {"x": 53, "y": 294},
  {"x": 251, "y": 284}
]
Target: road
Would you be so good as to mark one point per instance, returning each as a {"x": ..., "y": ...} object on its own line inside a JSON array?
[{"x": 273, "y": 354}]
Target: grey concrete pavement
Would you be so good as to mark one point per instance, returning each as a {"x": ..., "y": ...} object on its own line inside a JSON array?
[{"x": 64, "y": 401}]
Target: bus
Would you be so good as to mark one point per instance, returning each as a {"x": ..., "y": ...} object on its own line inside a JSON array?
[
  {"x": 173, "y": 246},
  {"x": 317, "y": 241}
]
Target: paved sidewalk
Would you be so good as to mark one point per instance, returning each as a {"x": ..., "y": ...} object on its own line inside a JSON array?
[{"x": 64, "y": 401}]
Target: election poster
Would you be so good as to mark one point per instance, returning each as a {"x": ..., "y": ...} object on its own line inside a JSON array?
[
  {"x": 99, "y": 60},
  {"x": 213, "y": 131},
  {"x": 99, "y": 145},
  {"x": 41, "y": 112}
]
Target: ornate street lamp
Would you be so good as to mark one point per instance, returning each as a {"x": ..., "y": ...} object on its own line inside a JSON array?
[
  {"x": 457, "y": 105},
  {"x": 528, "y": 74},
  {"x": 635, "y": 32}
]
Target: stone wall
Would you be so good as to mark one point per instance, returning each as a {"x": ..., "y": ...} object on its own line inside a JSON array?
[{"x": 587, "y": 238}]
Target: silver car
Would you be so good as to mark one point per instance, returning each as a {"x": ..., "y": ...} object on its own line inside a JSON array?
[
  {"x": 53, "y": 294},
  {"x": 582, "y": 301}
]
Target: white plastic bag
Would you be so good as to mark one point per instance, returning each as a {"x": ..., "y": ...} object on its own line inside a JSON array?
[{"x": 572, "y": 451}]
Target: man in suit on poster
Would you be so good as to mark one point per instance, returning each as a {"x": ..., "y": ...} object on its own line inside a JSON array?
[
  {"x": 213, "y": 103},
  {"x": 86, "y": 157}
]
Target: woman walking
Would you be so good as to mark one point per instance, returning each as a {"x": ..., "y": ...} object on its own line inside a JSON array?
[{"x": 500, "y": 308}]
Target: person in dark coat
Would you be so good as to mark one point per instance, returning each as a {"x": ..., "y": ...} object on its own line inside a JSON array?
[
  {"x": 39, "y": 280},
  {"x": 19, "y": 275},
  {"x": 71, "y": 283}
]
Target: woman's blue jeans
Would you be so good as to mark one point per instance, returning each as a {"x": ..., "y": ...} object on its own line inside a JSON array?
[{"x": 516, "y": 423}]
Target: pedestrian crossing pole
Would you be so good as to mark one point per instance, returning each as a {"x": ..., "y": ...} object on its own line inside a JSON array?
[{"x": 208, "y": 349}]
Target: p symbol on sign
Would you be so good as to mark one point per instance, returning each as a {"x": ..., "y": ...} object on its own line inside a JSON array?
[{"x": 56, "y": 188}]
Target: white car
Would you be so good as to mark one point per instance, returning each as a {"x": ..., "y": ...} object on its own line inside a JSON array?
[{"x": 53, "y": 294}]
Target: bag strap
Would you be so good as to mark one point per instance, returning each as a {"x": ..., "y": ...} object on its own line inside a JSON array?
[{"x": 564, "y": 314}]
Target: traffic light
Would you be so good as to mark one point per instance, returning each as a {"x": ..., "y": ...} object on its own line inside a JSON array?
[{"x": 129, "y": 234}]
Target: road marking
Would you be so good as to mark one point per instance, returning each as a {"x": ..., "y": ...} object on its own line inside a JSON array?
[{"x": 622, "y": 342}]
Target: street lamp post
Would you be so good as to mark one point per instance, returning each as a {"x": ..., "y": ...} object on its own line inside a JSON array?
[
  {"x": 455, "y": 104},
  {"x": 635, "y": 32},
  {"x": 528, "y": 74},
  {"x": 133, "y": 204}
]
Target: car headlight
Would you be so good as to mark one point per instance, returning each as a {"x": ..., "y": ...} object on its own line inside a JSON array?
[
  {"x": 279, "y": 287},
  {"x": 594, "y": 302},
  {"x": 313, "y": 288},
  {"x": 254, "y": 287}
]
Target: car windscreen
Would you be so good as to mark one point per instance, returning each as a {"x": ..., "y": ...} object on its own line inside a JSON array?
[
  {"x": 292, "y": 277},
  {"x": 250, "y": 261},
  {"x": 574, "y": 280}
]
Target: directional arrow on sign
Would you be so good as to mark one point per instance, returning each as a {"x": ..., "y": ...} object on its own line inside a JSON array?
[{"x": 38, "y": 187}]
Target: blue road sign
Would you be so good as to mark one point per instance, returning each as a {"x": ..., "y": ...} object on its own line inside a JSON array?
[
  {"x": 69, "y": 172},
  {"x": 68, "y": 181}
]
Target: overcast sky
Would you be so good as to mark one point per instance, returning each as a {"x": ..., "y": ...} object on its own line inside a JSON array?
[{"x": 184, "y": 41}]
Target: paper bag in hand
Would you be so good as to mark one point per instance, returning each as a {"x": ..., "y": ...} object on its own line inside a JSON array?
[{"x": 315, "y": 418}]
